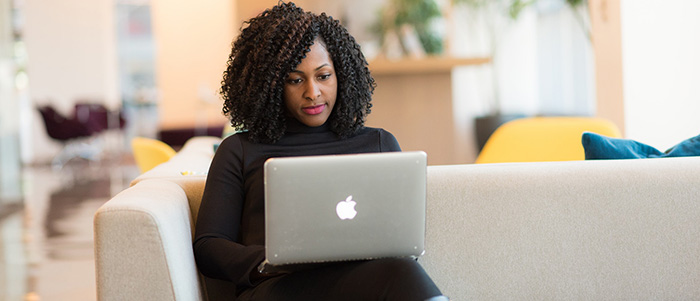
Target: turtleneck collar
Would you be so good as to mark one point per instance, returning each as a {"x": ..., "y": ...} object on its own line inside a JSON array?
[{"x": 294, "y": 126}]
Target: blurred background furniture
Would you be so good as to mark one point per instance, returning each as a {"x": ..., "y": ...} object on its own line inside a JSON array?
[
  {"x": 71, "y": 133},
  {"x": 177, "y": 137},
  {"x": 78, "y": 132},
  {"x": 537, "y": 139},
  {"x": 149, "y": 153},
  {"x": 99, "y": 116},
  {"x": 62, "y": 128}
]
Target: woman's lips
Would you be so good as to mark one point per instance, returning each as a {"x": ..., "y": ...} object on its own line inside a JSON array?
[{"x": 314, "y": 110}]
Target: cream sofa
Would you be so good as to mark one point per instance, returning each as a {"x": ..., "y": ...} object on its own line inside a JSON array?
[{"x": 582, "y": 230}]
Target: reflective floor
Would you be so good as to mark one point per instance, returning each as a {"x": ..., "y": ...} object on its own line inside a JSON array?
[{"x": 46, "y": 236}]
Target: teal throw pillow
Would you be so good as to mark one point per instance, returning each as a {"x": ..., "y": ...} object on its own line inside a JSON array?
[{"x": 598, "y": 147}]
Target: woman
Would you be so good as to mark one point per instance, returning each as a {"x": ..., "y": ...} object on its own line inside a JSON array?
[{"x": 296, "y": 84}]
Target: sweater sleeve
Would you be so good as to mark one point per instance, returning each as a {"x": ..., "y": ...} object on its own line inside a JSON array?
[
  {"x": 387, "y": 142},
  {"x": 217, "y": 250}
]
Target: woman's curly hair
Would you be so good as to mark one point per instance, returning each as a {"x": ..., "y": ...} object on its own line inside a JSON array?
[{"x": 268, "y": 49}]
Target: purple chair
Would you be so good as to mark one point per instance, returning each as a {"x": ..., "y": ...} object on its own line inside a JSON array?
[
  {"x": 97, "y": 117},
  {"x": 61, "y": 128},
  {"x": 71, "y": 133}
]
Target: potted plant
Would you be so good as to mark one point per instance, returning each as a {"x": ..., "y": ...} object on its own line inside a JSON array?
[{"x": 409, "y": 26}]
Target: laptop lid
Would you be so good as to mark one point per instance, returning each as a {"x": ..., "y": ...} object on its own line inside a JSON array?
[{"x": 344, "y": 207}]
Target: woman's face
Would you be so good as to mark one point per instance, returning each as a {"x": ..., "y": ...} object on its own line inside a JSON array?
[{"x": 310, "y": 89}]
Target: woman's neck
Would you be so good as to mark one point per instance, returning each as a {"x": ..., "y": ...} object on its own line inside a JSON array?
[{"x": 294, "y": 126}]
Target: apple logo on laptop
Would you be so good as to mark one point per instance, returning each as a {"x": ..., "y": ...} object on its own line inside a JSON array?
[{"x": 346, "y": 209}]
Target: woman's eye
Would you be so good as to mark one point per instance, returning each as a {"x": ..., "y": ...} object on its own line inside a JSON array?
[
  {"x": 294, "y": 81},
  {"x": 324, "y": 76}
]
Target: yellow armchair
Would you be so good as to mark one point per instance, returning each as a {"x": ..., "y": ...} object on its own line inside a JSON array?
[
  {"x": 148, "y": 152},
  {"x": 538, "y": 139}
]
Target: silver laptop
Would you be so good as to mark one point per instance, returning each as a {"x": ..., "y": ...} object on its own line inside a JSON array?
[{"x": 344, "y": 207}]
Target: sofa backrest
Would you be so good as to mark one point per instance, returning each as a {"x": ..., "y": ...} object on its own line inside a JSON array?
[{"x": 593, "y": 230}]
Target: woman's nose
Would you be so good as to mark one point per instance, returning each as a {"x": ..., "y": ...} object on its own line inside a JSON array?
[{"x": 312, "y": 90}]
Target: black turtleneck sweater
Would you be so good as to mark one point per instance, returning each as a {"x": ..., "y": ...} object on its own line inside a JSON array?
[{"x": 230, "y": 231}]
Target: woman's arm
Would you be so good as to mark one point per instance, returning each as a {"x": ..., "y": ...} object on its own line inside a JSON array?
[{"x": 217, "y": 250}]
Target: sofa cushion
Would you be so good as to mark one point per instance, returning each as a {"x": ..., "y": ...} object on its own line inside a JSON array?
[{"x": 601, "y": 147}]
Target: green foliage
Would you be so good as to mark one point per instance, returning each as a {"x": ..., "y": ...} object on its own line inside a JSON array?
[
  {"x": 417, "y": 13},
  {"x": 517, "y": 6},
  {"x": 574, "y": 3},
  {"x": 432, "y": 43}
]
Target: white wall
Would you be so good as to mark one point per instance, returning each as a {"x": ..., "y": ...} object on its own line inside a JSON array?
[
  {"x": 565, "y": 60},
  {"x": 661, "y": 70},
  {"x": 71, "y": 45},
  {"x": 193, "y": 40},
  {"x": 516, "y": 66},
  {"x": 543, "y": 60},
  {"x": 71, "y": 48}
]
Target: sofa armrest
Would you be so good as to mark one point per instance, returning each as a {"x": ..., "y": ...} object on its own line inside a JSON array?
[{"x": 143, "y": 245}]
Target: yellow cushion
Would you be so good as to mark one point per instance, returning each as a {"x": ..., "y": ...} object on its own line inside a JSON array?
[
  {"x": 543, "y": 139},
  {"x": 149, "y": 153}
]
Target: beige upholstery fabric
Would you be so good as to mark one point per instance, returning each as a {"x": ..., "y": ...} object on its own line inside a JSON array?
[
  {"x": 603, "y": 230},
  {"x": 613, "y": 230},
  {"x": 143, "y": 245},
  {"x": 188, "y": 168},
  {"x": 194, "y": 157}
]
